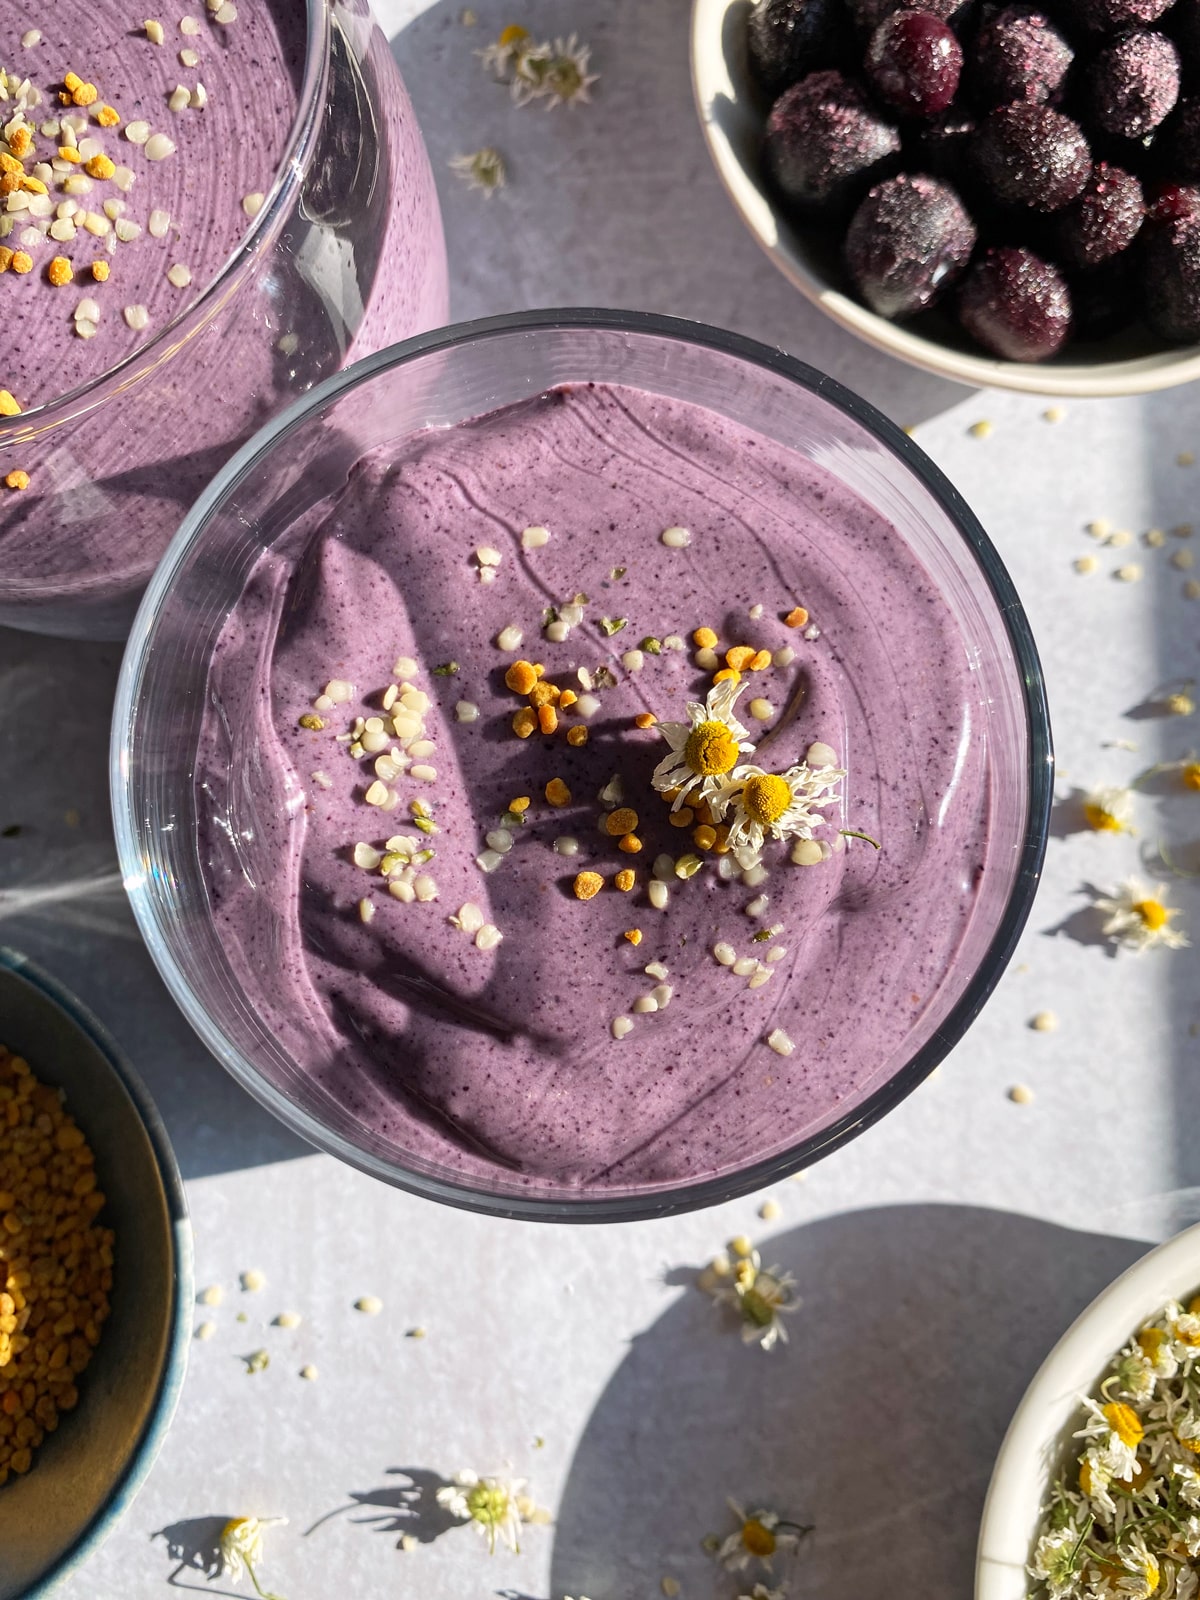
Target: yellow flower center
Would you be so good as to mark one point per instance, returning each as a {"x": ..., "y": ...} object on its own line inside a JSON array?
[
  {"x": 513, "y": 34},
  {"x": 759, "y": 1540},
  {"x": 1191, "y": 775},
  {"x": 1190, "y": 1444},
  {"x": 1150, "y": 1570},
  {"x": 766, "y": 798},
  {"x": 1151, "y": 1341},
  {"x": 1153, "y": 913},
  {"x": 1124, "y": 1422},
  {"x": 710, "y": 750},
  {"x": 1101, "y": 820},
  {"x": 1087, "y": 1479}
]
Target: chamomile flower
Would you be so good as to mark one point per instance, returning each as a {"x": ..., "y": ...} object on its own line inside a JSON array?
[
  {"x": 497, "y": 1506},
  {"x": 760, "y": 1295},
  {"x": 1187, "y": 1481},
  {"x": 759, "y": 1536},
  {"x": 782, "y": 805},
  {"x": 1158, "y": 1352},
  {"x": 704, "y": 749},
  {"x": 240, "y": 1547},
  {"x": 1116, "y": 1430},
  {"x": 1109, "y": 810},
  {"x": 504, "y": 56},
  {"x": 565, "y": 79},
  {"x": 1056, "y": 1560},
  {"x": 1136, "y": 917},
  {"x": 483, "y": 169},
  {"x": 1095, "y": 1482},
  {"x": 1141, "y": 1570},
  {"x": 761, "y": 1592}
]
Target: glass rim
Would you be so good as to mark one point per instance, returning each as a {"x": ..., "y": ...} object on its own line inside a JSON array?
[
  {"x": 288, "y": 174},
  {"x": 688, "y": 1196}
]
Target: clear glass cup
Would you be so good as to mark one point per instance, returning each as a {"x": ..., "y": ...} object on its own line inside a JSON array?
[
  {"x": 445, "y": 378},
  {"x": 345, "y": 257}
]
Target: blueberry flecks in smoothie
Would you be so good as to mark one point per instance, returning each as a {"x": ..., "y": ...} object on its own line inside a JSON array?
[
  {"x": 124, "y": 180},
  {"x": 613, "y": 973}
]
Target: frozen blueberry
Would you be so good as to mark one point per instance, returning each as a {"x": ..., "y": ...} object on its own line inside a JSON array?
[
  {"x": 914, "y": 61},
  {"x": 1110, "y": 16},
  {"x": 1016, "y": 305},
  {"x": 1104, "y": 299},
  {"x": 909, "y": 240},
  {"x": 1133, "y": 84},
  {"x": 1177, "y": 148},
  {"x": 789, "y": 38},
  {"x": 1019, "y": 55},
  {"x": 868, "y": 14},
  {"x": 1171, "y": 277},
  {"x": 943, "y": 146},
  {"x": 825, "y": 143},
  {"x": 1032, "y": 156},
  {"x": 1103, "y": 221}
]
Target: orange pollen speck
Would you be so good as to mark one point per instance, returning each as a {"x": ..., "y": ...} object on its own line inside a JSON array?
[
  {"x": 739, "y": 657},
  {"x": 17, "y": 479},
  {"x": 759, "y": 1540},
  {"x": 20, "y": 142},
  {"x": 22, "y": 261},
  {"x": 108, "y": 116},
  {"x": 100, "y": 166},
  {"x": 704, "y": 638},
  {"x": 1153, "y": 913},
  {"x": 1191, "y": 775},
  {"x": 634, "y": 935},
  {"x": 647, "y": 719},
  {"x": 796, "y": 617},
  {"x": 711, "y": 750},
  {"x": 100, "y": 271},
  {"x": 8, "y": 406},
  {"x": 59, "y": 272}
]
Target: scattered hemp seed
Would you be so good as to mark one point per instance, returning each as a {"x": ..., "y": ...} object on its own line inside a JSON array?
[
  {"x": 1085, "y": 564},
  {"x": 30, "y": 39},
  {"x": 1182, "y": 559},
  {"x": 1179, "y": 704},
  {"x": 670, "y": 1586},
  {"x": 1053, "y": 414},
  {"x": 1191, "y": 589},
  {"x": 676, "y": 538},
  {"x": 621, "y": 1026},
  {"x": 154, "y": 32},
  {"x": 533, "y": 538},
  {"x": 257, "y": 1361},
  {"x": 309, "y": 1373},
  {"x": 1154, "y": 538},
  {"x": 253, "y": 1280},
  {"x": 1043, "y": 1022},
  {"x": 566, "y": 846},
  {"x": 1119, "y": 538},
  {"x": 770, "y": 1211},
  {"x": 779, "y": 1041},
  {"x": 658, "y": 894},
  {"x": 205, "y": 1330},
  {"x": 466, "y": 711},
  {"x": 1020, "y": 1094},
  {"x": 369, "y": 1305},
  {"x": 212, "y": 1296},
  {"x": 366, "y": 910},
  {"x": 158, "y": 147},
  {"x": 1130, "y": 573},
  {"x": 1185, "y": 458},
  {"x": 136, "y": 317},
  {"x": 611, "y": 625},
  {"x": 179, "y": 276},
  {"x": 288, "y": 1319},
  {"x": 981, "y": 429}
]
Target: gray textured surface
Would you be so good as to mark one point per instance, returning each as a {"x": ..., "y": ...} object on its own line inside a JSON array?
[{"x": 939, "y": 1255}]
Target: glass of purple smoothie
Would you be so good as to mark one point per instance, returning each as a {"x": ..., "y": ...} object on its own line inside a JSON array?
[
  {"x": 503, "y": 745},
  {"x": 201, "y": 216}
]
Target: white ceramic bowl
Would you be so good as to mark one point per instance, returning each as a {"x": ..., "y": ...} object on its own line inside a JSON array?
[
  {"x": 732, "y": 114},
  {"x": 1049, "y": 1413}
]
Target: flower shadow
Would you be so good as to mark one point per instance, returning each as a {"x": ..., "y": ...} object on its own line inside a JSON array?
[
  {"x": 1067, "y": 815},
  {"x": 406, "y": 1507},
  {"x": 194, "y": 1546},
  {"x": 1085, "y": 926},
  {"x": 919, "y": 1328}
]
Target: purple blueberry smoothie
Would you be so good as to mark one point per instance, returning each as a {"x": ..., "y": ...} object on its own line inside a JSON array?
[
  {"x": 427, "y": 903},
  {"x": 157, "y": 307}
]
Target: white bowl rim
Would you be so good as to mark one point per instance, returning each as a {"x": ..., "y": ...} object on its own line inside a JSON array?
[
  {"x": 1161, "y": 369},
  {"x": 1018, "y": 1487}
]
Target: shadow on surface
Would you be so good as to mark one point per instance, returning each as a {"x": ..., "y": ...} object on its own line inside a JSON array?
[
  {"x": 615, "y": 203},
  {"x": 62, "y": 903},
  {"x": 406, "y": 1507},
  {"x": 878, "y": 1422}
]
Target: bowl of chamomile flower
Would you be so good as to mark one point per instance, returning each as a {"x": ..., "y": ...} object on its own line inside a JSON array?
[{"x": 1096, "y": 1490}]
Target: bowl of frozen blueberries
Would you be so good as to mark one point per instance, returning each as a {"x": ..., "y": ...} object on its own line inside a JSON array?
[{"x": 1003, "y": 192}]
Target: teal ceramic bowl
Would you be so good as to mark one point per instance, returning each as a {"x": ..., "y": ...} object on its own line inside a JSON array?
[{"x": 87, "y": 1472}]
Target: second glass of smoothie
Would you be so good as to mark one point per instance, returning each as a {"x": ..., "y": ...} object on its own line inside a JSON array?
[
  {"x": 204, "y": 214},
  {"x": 581, "y": 766}
]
